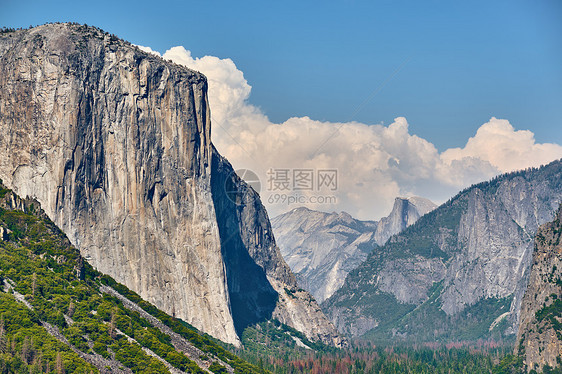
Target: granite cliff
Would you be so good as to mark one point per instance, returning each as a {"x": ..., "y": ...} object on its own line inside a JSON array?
[
  {"x": 322, "y": 248},
  {"x": 540, "y": 331},
  {"x": 405, "y": 212},
  {"x": 50, "y": 295},
  {"x": 115, "y": 144},
  {"x": 459, "y": 272}
]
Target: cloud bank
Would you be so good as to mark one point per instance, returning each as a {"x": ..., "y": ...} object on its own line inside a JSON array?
[{"x": 375, "y": 163}]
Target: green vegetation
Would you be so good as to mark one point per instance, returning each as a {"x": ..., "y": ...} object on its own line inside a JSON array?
[
  {"x": 275, "y": 339},
  {"x": 510, "y": 364},
  {"x": 552, "y": 315},
  {"x": 39, "y": 266},
  {"x": 422, "y": 237},
  {"x": 25, "y": 346},
  {"x": 367, "y": 359},
  {"x": 201, "y": 341},
  {"x": 434, "y": 237},
  {"x": 6, "y": 30},
  {"x": 272, "y": 346},
  {"x": 428, "y": 323}
]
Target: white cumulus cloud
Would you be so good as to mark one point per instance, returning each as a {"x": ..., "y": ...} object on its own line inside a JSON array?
[
  {"x": 503, "y": 147},
  {"x": 375, "y": 163},
  {"x": 148, "y": 50}
]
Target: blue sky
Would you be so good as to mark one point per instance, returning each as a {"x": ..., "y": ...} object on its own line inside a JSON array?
[
  {"x": 462, "y": 62},
  {"x": 398, "y": 96}
]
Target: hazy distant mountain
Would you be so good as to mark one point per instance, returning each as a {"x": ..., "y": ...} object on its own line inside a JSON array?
[
  {"x": 460, "y": 271},
  {"x": 406, "y": 211},
  {"x": 322, "y": 248}
]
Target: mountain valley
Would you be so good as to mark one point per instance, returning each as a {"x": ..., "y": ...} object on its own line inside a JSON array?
[
  {"x": 459, "y": 272},
  {"x": 129, "y": 244},
  {"x": 322, "y": 248}
]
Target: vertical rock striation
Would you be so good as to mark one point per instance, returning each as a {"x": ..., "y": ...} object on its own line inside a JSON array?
[
  {"x": 540, "y": 331},
  {"x": 115, "y": 145}
]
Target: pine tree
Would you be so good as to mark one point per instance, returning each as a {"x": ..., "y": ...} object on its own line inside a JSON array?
[
  {"x": 34, "y": 284},
  {"x": 26, "y": 351},
  {"x": 112, "y": 325},
  {"x": 2, "y": 336},
  {"x": 59, "y": 367},
  {"x": 38, "y": 360},
  {"x": 71, "y": 309}
]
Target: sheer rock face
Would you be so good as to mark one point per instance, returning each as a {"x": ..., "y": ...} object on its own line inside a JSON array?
[
  {"x": 539, "y": 340},
  {"x": 264, "y": 284},
  {"x": 322, "y": 248},
  {"x": 115, "y": 145},
  {"x": 476, "y": 247},
  {"x": 405, "y": 212}
]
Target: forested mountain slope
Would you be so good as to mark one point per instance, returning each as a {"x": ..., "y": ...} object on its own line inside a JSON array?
[
  {"x": 58, "y": 314},
  {"x": 460, "y": 271}
]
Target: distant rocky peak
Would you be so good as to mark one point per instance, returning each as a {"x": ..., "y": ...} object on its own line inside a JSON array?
[
  {"x": 422, "y": 204},
  {"x": 322, "y": 248},
  {"x": 405, "y": 212}
]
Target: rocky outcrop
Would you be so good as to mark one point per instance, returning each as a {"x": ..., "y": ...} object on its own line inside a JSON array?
[
  {"x": 458, "y": 268},
  {"x": 115, "y": 144},
  {"x": 405, "y": 212},
  {"x": 322, "y": 248},
  {"x": 540, "y": 331}
]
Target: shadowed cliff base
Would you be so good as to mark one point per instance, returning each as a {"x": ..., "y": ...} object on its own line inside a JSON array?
[{"x": 252, "y": 297}]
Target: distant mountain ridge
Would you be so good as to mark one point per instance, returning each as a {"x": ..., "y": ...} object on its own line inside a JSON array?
[
  {"x": 322, "y": 248},
  {"x": 460, "y": 271}
]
